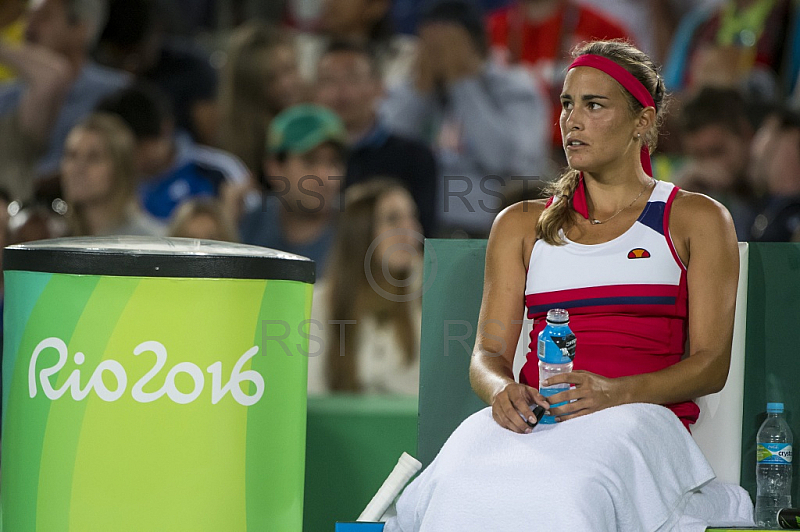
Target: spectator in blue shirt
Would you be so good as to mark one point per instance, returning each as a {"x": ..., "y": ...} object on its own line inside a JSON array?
[{"x": 172, "y": 167}]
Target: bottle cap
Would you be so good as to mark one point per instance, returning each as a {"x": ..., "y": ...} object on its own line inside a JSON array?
[
  {"x": 774, "y": 408},
  {"x": 557, "y": 316}
]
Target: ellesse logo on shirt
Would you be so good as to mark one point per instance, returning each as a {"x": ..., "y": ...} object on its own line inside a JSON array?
[{"x": 638, "y": 253}]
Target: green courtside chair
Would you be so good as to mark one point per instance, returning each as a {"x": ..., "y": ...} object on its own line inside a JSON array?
[
  {"x": 767, "y": 325},
  {"x": 452, "y": 286}
]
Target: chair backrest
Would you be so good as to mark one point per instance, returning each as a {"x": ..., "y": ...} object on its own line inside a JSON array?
[
  {"x": 718, "y": 430},
  {"x": 453, "y": 285},
  {"x": 452, "y": 288}
]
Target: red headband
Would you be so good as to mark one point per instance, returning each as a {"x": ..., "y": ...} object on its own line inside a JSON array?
[
  {"x": 637, "y": 90},
  {"x": 622, "y": 76}
]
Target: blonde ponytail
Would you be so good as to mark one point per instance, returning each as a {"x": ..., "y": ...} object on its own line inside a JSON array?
[{"x": 559, "y": 214}]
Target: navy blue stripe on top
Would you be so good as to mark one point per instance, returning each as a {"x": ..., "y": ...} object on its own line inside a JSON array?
[
  {"x": 653, "y": 216},
  {"x": 601, "y": 301}
]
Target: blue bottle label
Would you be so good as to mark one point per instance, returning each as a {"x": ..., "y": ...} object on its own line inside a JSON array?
[
  {"x": 556, "y": 345},
  {"x": 774, "y": 453},
  {"x": 566, "y": 344}
]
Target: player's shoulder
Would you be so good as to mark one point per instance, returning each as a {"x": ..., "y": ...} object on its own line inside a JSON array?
[
  {"x": 695, "y": 208},
  {"x": 697, "y": 215},
  {"x": 518, "y": 221},
  {"x": 523, "y": 211}
]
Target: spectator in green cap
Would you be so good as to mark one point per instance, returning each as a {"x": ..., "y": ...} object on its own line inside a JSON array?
[{"x": 304, "y": 167}]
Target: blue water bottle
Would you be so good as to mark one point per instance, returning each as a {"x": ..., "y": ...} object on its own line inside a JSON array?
[{"x": 556, "y": 351}]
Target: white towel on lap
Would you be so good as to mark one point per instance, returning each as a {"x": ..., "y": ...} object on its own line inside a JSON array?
[{"x": 632, "y": 467}]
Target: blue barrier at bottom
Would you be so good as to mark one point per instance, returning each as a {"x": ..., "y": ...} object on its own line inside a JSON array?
[{"x": 359, "y": 527}]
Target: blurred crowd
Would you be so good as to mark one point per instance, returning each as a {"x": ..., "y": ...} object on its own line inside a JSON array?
[{"x": 347, "y": 130}]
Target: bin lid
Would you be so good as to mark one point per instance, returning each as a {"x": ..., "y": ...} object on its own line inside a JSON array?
[{"x": 137, "y": 256}]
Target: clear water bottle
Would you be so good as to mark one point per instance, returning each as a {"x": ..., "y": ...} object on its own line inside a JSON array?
[
  {"x": 773, "y": 467},
  {"x": 556, "y": 351}
]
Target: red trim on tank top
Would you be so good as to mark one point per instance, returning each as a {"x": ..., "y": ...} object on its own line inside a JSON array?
[{"x": 667, "y": 234}]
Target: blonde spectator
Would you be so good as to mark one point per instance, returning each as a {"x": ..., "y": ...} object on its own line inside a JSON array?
[
  {"x": 203, "y": 219},
  {"x": 259, "y": 81},
  {"x": 371, "y": 279},
  {"x": 99, "y": 181}
]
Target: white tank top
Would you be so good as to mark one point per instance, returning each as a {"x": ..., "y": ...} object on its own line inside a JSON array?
[{"x": 627, "y": 298}]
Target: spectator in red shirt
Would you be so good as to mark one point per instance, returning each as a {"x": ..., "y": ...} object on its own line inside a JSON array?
[{"x": 541, "y": 33}]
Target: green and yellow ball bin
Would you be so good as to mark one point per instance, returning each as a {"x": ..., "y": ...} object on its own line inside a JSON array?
[{"x": 154, "y": 384}]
